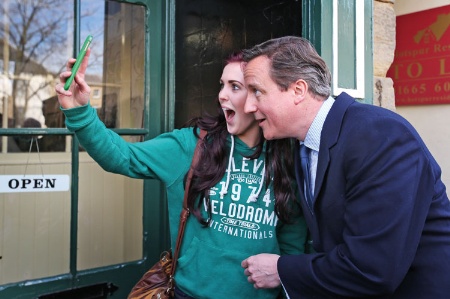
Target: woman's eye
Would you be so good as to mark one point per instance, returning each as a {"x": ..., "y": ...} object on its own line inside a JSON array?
[
  {"x": 221, "y": 85},
  {"x": 235, "y": 87}
]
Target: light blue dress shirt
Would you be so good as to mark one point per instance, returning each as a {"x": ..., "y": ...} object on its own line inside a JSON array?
[{"x": 312, "y": 139}]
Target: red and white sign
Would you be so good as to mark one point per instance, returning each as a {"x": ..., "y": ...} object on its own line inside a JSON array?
[{"x": 421, "y": 67}]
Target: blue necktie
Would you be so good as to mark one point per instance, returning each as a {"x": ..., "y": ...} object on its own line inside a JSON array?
[{"x": 304, "y": 160}]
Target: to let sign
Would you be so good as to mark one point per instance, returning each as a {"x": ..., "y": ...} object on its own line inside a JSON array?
[
  {"x": 421, "y": 67},
  {"x": 34, "y": 183}
]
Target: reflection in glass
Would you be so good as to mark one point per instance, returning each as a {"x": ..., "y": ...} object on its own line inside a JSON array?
[
  {"x": 108, "y": 230},
  {"x": 36, "y": 40},
  {"x": 116, "y": 64},
  {"x": 34, "y": 46}
]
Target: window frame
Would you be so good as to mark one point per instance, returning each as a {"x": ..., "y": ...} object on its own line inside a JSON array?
[{"x": 158, "y": 118}]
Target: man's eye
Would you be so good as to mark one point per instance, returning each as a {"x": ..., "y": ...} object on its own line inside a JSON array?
[{"x": 257, "y": 92}]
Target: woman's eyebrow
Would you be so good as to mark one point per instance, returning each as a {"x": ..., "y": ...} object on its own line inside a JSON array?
[{"x": 235, "y": 81}]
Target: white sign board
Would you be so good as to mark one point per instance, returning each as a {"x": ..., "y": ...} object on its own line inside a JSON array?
[{"x": 34, "y": 183}]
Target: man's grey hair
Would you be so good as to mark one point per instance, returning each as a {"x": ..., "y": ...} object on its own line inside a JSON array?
[{"x": 293, "y": 58}]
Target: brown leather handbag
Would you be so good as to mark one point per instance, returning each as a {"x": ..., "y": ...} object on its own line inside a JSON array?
[{"x": 158, "y": 282}]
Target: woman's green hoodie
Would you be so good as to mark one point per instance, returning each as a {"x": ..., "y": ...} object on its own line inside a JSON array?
[{"x": 209, "y": 265}]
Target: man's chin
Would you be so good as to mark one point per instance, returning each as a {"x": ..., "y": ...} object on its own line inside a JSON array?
[{"x": 268, "y": 136}]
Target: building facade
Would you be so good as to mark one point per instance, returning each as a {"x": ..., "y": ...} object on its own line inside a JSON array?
[{"x": 154, "y": 65}]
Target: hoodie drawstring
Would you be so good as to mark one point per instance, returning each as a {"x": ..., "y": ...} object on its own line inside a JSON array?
[
  {"x": 225, "y": 190},
  {"x": 253, "y": 197}
]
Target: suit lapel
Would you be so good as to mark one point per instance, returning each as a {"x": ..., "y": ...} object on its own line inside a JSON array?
[{"x": 329, "y": 137}]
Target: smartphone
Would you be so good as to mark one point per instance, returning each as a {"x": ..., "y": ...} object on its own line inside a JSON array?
[{"x": 80, "y": 57}]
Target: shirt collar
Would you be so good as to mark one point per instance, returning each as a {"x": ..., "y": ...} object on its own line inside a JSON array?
[{"x": 312, "y": 139}]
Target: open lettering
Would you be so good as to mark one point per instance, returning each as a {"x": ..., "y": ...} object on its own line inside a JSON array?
[{"x": 32, "y": 183}]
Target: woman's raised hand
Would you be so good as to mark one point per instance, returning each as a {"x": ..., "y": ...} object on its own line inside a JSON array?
[{"x": 78, "y": 92}]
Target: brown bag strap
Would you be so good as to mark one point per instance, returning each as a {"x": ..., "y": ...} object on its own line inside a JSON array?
[{"x": 185, "y": 211}]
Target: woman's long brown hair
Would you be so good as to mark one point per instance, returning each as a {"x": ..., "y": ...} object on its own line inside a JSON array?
[{"x": 214, "y": 160}]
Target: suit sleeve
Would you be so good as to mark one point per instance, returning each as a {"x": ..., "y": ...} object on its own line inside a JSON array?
[{"x": 387, "y": 188}]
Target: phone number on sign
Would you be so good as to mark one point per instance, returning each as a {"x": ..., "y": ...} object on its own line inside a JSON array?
[{"x": 421, "y": 88}]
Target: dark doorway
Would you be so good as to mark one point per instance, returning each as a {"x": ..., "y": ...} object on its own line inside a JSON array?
[{"x": 208, "y": 30}]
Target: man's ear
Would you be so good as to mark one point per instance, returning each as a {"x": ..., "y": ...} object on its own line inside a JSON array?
[{"x": 300, "y": 88}]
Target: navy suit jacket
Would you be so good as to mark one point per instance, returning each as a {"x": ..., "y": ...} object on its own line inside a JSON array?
[{"x": 380, "y": 221}]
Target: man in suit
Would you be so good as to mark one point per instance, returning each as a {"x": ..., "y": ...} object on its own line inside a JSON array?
[{"x": 375, "y": 205}]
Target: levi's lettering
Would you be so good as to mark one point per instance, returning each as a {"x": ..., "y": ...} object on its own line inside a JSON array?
[{"x": 235, "y": 213}]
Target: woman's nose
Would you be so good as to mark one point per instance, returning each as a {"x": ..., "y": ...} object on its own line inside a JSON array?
[{"x": 223, "y": 95}]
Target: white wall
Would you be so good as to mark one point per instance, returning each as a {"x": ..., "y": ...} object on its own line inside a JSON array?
[{"x": 431, "y": 121}]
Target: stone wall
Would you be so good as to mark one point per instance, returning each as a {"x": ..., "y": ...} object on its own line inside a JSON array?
[{"x": 384, "y": 23}]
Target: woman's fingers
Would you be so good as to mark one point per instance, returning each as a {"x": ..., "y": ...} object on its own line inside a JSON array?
[
  {"x": 84, "y": 63},
  {"x": 70, "y": 64},
  {"x": 63, "y": 76}
]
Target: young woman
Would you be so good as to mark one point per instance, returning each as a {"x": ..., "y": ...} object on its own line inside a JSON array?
[{"x": 241, "y": 194}]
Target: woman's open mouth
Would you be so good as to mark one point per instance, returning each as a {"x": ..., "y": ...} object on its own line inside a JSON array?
[{"x": 229, "y": 114}]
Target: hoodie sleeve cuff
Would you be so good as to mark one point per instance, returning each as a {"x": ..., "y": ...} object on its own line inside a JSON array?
[{"x": 79, "y": 117}]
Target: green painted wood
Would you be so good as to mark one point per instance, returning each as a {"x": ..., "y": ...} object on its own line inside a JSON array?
[
  {"x": 346, "y": 44},
  {"x": 62, "y": 131},
  {"x": 317, "y": 26},
  {"x": 158, "y": 118},
  {"x": 368, "y": 7},
  {"x": 312, "y": 20}
]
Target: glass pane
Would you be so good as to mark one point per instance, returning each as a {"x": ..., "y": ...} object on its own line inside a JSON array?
[
  {"x": 116, "y": 64},
  {"x": 36, "y": 40},
  {"x": 109, "y": 231},
  {"x": 109, "y": 217},
  {"x": 208, "y": 31},
  {"x": 34, "y": 217},
  {"x": 33, "y": 51}
]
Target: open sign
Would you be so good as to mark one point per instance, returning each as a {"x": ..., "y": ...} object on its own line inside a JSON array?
[{"x": 34, "y": 183}]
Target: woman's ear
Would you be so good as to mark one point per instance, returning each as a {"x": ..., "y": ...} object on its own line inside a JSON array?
[{"x": 300, "y": 88}]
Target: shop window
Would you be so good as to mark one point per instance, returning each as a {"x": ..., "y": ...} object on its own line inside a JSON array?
[{"x": 35, "y": 44}]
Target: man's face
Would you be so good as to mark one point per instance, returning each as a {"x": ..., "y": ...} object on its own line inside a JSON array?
[{"x": 272, "y": 108}]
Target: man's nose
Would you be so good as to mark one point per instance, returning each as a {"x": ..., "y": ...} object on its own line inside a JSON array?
[{"x": 249, "y": 106}]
